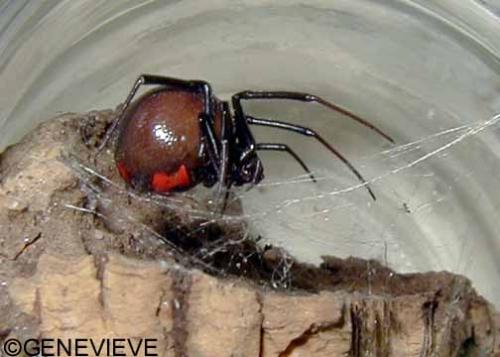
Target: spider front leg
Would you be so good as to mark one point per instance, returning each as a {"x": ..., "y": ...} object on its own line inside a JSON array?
[{"x": 303, "y": 97}]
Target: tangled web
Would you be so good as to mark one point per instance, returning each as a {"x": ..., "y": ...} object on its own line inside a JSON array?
[{"x": 189, "y": 229}]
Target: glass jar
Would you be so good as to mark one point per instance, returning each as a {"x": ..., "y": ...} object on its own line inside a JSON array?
[{"x": 426, "y": 72}]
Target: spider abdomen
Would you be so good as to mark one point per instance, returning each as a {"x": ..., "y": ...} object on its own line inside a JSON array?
[{"x": 159, "y": 141}]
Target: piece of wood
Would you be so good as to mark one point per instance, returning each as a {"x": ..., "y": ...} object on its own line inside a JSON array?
[
  {"x": 193, "y": 314},
  {"x": 68, "y": 273}
]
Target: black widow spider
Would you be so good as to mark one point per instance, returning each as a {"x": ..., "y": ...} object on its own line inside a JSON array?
[{"x": 179, "y": 134}]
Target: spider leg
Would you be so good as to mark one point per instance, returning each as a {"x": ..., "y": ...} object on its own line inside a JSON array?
[
  {"x": 224, "y": 183},
  {"x": 285, "y": 148},
  {"x": 212, "y": 147},
  {"x": 226, "y": 132},
  {"x": 146, "y": 79},
  {"x": 303, "y": 97},
  {"x": 243, "y": 135},
  {"x": 309, "y": 132}
]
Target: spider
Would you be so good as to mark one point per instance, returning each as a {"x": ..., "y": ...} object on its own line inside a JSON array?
[{"x": 179, "y": 135}]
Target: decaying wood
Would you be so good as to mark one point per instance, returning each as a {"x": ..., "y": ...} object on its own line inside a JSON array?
[{"x": 66, "y": 271}]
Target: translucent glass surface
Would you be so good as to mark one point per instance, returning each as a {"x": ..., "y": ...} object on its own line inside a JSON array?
[{"x": 427, "y": 72}]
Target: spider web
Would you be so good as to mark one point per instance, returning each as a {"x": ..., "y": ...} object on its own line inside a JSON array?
[{"x": 232, "y": 243}]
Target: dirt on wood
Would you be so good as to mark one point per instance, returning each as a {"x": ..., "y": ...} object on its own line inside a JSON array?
[{"x": 81, "y": 255}]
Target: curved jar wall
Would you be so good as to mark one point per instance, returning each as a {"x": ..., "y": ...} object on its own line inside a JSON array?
[{"x": 427, "y": 72}]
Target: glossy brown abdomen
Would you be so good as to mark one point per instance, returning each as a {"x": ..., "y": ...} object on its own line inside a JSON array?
[{"x": 160, "y": 137}]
